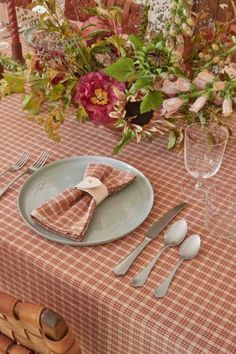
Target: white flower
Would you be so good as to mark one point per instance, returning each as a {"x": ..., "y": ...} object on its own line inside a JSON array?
[
  {"x": 171, "y": 106},
  {"x": 198, "y": 104},
  {"x": 227, "y": 107}
]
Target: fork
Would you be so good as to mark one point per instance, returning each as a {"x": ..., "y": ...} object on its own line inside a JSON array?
[
  {"x": 20, "y": 162},
  {"x": 41, "y": 160}
]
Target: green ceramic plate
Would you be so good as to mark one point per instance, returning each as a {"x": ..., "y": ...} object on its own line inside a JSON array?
[{"x": 114, "y": 218}]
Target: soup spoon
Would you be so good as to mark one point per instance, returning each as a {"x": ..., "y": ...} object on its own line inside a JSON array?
[
  {"x": 188, "y": 250},
  {"x": 173, "y": 237}
]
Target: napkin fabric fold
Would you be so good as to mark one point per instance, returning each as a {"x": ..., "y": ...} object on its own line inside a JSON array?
[{"x": 70, "y": 213}]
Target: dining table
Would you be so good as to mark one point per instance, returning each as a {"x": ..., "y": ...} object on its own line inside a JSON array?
[{"x": 107, "y": 314}]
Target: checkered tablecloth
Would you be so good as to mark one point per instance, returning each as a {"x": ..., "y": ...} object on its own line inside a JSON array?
[{"x": 108, "y": 315}]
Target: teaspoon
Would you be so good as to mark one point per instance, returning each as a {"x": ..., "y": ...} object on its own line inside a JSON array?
[{"x": 188, "y": 250}]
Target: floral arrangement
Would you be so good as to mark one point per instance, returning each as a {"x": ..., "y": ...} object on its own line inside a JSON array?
[{"x": 143, "y": 85}]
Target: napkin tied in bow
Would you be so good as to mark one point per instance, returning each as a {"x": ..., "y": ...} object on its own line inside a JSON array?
[{"x": 69, "y": 213}]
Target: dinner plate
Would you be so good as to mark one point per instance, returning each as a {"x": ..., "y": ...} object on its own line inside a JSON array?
[{"x": 114, "y": 218}]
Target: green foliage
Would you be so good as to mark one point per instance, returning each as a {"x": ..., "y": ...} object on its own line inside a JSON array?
[
  {"x": 121, "y": 70},
  {"x": 171, "y": 139},
  {"x": 52, "y": 123},
  {"x": 127, "y": 137},
  {"x": 10, "y": 64},
  {"x": 32, "y": 103},
  {"x": 141, "y": 61},
  {"x": 151, "y": 101},
  {"x": 81, "y": 114},
  {"x": 137, "y": 42},
  {"x": 57, "y": 92},
  {"x": 12, "y": 83}
]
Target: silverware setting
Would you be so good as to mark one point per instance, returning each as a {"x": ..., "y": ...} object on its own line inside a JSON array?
[
  {"x": 123, "y": 267},
  {"x": 18, "y": 164},
  {"x": 174, "y": 236},
  {"x": 38, "y": 163}
]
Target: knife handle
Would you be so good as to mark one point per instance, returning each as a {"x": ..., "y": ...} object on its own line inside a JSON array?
[{"x": 123, "y": 267}]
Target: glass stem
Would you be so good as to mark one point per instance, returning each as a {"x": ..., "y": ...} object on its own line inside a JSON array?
[
  {"x": 199, "y": 185},
  {"x": 207, "y": 212}
]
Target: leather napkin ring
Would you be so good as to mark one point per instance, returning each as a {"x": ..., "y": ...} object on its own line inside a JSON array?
[{"x": 94, "y": 187}]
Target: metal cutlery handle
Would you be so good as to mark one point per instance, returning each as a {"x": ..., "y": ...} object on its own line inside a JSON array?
[
  {"x": 3, "y": 173},
  {"x": 140, "y": 279},
  {"x": 162, "y": 290},
  {"x": 4, "y": 189},
  {"x": 123, "y": 267}
]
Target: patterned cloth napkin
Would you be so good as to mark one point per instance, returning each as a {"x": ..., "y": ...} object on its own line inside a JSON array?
[{"x": 69, "y": 213}]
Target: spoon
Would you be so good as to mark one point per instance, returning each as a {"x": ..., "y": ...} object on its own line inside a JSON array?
[
  {"x": 173, "y": 237},
  {"x": 188, "y": 250}
]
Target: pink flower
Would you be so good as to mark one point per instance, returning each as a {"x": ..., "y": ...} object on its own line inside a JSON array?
[
  {"x": 218, "y": 100},
  {"x": 171, "y": 106},
  {"x": 169, "y": 88},
  {"x": 96, "y": 91},
  {"x": 227, "y": 107},
  {"x": 198, "y": 104},
  {"x": 203, "y": 78},
  {"x": 182, "y": 85},
  {"x": 174, "y": 87}
]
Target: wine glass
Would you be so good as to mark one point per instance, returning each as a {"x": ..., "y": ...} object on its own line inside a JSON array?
[
  {"x": 204, "y": 148},
  {"x": 220, "y": 211}
]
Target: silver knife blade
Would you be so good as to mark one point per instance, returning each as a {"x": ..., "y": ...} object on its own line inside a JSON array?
[{"x": 159, "y": 225}]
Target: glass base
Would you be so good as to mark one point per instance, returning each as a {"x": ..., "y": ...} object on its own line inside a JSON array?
[
  {"x": 192, "y": 189},
  {"x": 220, "y": 212}
]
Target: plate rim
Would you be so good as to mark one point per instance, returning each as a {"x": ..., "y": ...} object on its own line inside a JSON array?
[{"x": 69, "y": 241}]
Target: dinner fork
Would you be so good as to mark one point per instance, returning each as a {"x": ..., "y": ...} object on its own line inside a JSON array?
[
  {"x": 20, "y": 162},
  {"x": 41, "y": 160}
]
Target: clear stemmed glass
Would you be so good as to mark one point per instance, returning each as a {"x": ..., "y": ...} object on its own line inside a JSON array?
[
  {"x": 204, "y": 148},
  {"x": 220, "y": 211}
]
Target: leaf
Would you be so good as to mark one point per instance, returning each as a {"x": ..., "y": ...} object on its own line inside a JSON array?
[
  {"x": 121, "y": 70},
  {"x": 39, "y": 83},
  {"x": 151, "y": 101},
  {"x": 171, "y": 139},
  {"x": 137, "y": 43},
  {"x": 56, "y": 92},
  {"x": 97, "y": 32},
  {"x": 128, "y": 136},
  {"x": 176, "y": 71},
  {"x": 117, "y": 41},
  {"x": 52, "y": 124},
  {"x": 143, "y": 82},
  {"x": 81, "y": 114},
  {"x": 13, "y": 83},
  {"x": 32, "y": 103}
]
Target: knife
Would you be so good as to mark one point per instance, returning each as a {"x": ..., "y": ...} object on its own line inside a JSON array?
[{"x": 123, "y": 267}]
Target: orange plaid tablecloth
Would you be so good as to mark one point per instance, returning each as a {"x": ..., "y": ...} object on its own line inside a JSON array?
[{"x": 108, "y": 315}]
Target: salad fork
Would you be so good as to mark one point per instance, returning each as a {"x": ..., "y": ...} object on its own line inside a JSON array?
[
  {"x": 39, "y": 162},
  {"x": 18, "y": 164}
]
